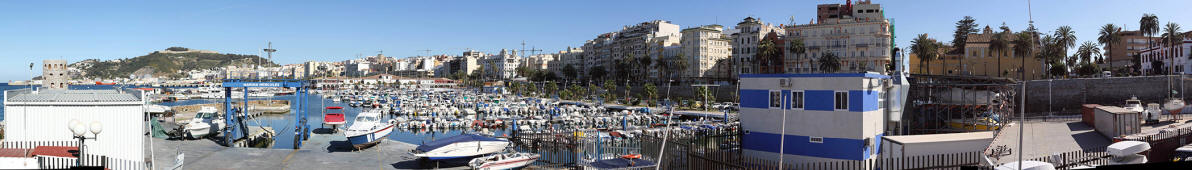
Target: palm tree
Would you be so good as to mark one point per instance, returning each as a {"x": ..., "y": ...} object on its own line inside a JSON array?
[
  {"x": 1024, "y": 45},
  {"x": 665, "y": 66},
  {"x": 1172, "y": 37},
  {"x": 924, "y": 47},
  {"x": 1149, "y": 25},
  {"x": 829, "y": 63},
  {"x": 999, "y": 44},
  {"x": 1065, "y": 38},
  {"x": 769, "y": 51},
  {"x": 1109, "y": 35},
  {"x": 1087, "y": 51},
  {"x": 796, "y": 47}
]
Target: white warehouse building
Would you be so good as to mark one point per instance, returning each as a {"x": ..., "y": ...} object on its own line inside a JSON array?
[
  {"x": 829, "y": 117},
  {"x": 41, "y": 118}
]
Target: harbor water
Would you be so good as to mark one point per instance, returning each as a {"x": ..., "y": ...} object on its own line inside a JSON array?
[{"x": 283, "y": 124}]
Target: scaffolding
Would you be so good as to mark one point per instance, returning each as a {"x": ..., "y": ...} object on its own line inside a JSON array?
[{"x": 947, "y": 104}]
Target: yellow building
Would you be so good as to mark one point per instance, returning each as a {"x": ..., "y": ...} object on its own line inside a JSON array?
[
  {"x": 950, "y": 65},
  {"x": 979, "y": 60}
]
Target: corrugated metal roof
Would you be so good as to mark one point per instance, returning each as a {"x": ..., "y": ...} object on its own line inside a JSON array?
[{"x": 74, "y": 96}]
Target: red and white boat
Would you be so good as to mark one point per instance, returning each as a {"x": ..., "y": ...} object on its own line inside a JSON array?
[
  {"x": 334, "y": 116},
  {"x": 503, "y": 161}
]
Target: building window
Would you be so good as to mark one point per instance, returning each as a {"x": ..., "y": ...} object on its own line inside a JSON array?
[
  {"x": 841, "y": 100},
  {"x": 816, "y": 139},
  {"x": 775, "y": 99},
  {"x": 797, "y": 100}
]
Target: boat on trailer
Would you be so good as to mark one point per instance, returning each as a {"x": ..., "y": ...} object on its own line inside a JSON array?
[
  {"x": 334, "y": 116},
  {"x": 369, "y": 128},
  {"x": 461, "y": 146},
  {"x": 503, "y": 161}
]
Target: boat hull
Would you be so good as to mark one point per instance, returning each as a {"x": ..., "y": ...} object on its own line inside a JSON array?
[
  {"x": 507, "y": 164},
  {"x": 368, "y": 139},
  {"x": 198, "y": 131}
]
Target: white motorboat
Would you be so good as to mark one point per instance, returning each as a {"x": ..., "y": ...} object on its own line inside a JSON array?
[
  {"x": 1133, "y": 104},
  {"x": 1027, "y": 165},
  {"x": 1174, "y": 106},
  {"x": 1127, "y": 152},
  {"x": 461, "y": 146},
  {"x": 157, "y": 109},
  {"x": 206, "y": 122},
  {"x": 369, "y": 128},
  {"x": 503, "y": 161},
  {"x": 261, "y": 94}
]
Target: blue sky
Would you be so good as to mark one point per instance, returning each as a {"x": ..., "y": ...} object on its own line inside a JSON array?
[{"x": 31, "y": 31}]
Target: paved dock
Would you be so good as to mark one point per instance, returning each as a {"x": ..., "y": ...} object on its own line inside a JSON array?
[
  {"x": 322, "y": 151},
  {"x": 1044, "y": 138}
]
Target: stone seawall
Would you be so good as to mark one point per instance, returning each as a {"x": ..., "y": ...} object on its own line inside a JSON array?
[{"x": 1066, "y": 96}]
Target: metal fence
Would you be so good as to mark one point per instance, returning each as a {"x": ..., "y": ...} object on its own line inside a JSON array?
[
  {"x": 721, "y": 149},
  {"x": 1163, "y": 144},
  {"x": 53, "y": 162},
  {"x": 1073, "y": 159}
]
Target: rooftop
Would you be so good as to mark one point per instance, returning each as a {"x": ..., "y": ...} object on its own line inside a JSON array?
[
  {"x": 25, "y": 95},
  {"x": 940, "y": 137}
]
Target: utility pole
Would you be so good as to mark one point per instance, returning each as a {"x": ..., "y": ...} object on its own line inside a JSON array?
[
  {"x": 268, "y": 50},
  {"x": 1022, "y": 95}
]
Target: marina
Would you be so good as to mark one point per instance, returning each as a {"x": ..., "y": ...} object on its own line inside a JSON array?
[{"x": 660, "y": 85}]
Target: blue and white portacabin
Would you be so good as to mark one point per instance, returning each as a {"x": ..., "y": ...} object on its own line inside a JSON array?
[{"x": 829, "y": 117}]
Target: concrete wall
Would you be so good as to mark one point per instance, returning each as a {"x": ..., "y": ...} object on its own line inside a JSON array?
[{"x": 1066, "y": 96}]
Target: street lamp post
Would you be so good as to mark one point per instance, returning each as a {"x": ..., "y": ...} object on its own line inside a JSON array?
[
  {"x": 79, "y": 131},
  {"x": 670, "y": 113}
]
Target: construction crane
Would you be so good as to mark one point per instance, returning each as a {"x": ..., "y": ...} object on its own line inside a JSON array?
[{"x": 427, "y": 51}]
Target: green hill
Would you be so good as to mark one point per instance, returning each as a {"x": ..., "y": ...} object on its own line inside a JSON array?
[{"x": 168, "y": 62}]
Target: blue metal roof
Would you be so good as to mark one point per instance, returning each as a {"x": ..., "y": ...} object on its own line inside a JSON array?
[{"x": 869, "y": 75}]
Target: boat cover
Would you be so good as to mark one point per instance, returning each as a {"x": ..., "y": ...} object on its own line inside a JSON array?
[
  {"x": 333, "y": 117},
  {"x": 619, "y": 163},
  {"x": 454, "y": 139}
]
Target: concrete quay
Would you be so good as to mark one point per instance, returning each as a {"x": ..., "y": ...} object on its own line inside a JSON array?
[{"x": 321, "y": 151}]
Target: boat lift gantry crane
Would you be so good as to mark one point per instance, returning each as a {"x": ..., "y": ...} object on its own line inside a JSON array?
[{"x": 237, "y": 129}]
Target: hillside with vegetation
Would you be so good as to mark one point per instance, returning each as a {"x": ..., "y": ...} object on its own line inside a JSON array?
[{"x": 172, "y": 62}]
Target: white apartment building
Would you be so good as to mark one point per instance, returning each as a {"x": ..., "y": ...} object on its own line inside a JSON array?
[
  {"x": 401, "y": 65},
  {"x": 470, "y": 61},
  {"x": 502, "y": 65},
  {"x": 540, "y": 61},
  {"x": 597, "y": 53},
  {"x": 1169, "y": 56},
  {"x": 703, "y": 47},
  {"x": 746, "y": 41},
  {"x": 316, "y": 68},
  {"x": 357, "y": 68},
  {"x": 862, "y": 44},
  {"x": 573, "y": 57},
  {"x": 634, "y": 41}
]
